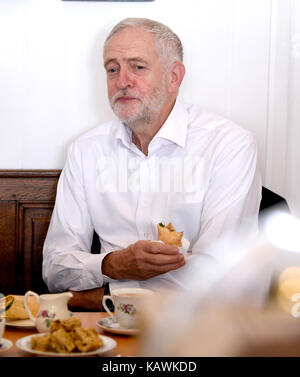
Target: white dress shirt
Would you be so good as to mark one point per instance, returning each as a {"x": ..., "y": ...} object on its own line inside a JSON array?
[{"x": 201, "y": 174}]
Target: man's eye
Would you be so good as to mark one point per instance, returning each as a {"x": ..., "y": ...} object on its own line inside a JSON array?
[
  {"x": 111, "y": 70},
  {"x": 140, "y": 67}
]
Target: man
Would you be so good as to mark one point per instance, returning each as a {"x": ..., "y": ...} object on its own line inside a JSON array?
[{"x": 160, "y": 161}]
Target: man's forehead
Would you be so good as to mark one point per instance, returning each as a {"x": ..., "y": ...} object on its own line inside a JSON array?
[
  {"x": 138, "y": 59},
  {"x": 130, "y": 42}
]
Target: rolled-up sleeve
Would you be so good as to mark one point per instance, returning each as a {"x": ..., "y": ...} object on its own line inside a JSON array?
[{"x": 67, "y": 259}]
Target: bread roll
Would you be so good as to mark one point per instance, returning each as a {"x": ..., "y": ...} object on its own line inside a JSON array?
[
  {"x": 168, "y": 235},
  {"x": 17, "y": 309}
]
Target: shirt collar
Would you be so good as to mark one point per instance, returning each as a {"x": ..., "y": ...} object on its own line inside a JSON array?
[
  {"x": 174, "y": 129},
  {"x": 121, "y": 131}
]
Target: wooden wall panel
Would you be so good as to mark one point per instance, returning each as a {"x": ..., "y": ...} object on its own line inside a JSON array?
[
  {"x": 26, "y": 202},
  {"x": 34, "y": 219},
  {"x": 28, "y": 185},
  {"x": 39, "y": 231},
  {"x": 8, "y": 255}
]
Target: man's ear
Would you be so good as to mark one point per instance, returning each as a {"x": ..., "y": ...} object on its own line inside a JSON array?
[{"x": 176, "y": 76}]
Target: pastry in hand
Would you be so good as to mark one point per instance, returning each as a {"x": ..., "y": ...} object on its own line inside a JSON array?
[{"x": 168, "y": 235}]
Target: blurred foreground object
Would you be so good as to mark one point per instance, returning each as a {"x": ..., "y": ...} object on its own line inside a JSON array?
[
  {"x": 288, "y": 290},
  {"x": 222, "y": 330},
  {"x": 283, "y": 232},
  {"x": 230, "y": 309}
]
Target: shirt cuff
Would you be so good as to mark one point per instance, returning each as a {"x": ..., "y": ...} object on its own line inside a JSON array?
[{"x": 91, "y": 272}]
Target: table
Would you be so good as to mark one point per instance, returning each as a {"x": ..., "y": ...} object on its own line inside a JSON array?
[{"x": 126, "y": 345}]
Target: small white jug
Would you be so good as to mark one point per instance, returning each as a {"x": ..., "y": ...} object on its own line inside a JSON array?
[{"x": 52, "y": 306}]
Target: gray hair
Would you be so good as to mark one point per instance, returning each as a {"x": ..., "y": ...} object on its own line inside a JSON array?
[{"x": 168, "y": 43}]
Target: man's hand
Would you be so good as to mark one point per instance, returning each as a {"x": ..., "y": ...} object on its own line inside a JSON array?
[{"x": 142, "y": 260}]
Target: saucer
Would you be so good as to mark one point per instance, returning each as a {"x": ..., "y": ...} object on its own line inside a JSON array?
[
  {"x": 5, "y": 344},
  {"x": 108, "y": 325},
  {"x": 22, "y": 323}
]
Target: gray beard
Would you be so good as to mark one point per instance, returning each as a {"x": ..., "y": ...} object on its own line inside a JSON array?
[
  {"x": 143, "y": 117},
  {"x": 148, "y": 112}
]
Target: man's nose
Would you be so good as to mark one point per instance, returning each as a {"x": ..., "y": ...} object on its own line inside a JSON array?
[{"x": 124, "y": 79}]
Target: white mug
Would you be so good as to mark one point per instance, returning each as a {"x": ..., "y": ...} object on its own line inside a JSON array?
[{"x": 128, "y": 303}]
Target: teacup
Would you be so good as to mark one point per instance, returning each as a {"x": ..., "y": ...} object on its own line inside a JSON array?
[{"x": 128, "y": 303}]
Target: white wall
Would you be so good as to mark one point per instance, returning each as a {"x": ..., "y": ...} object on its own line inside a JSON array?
[
  {"x": 292, "y": 181},
  {"x": 282, "y": 158},
  {"x": 52, "y": 83}
]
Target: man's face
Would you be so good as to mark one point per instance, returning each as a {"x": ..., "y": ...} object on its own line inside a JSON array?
[{"x": 135, "y": 77}]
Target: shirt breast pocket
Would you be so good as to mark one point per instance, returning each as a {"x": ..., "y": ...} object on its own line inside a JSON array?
[{"x": 186, "y": 211}]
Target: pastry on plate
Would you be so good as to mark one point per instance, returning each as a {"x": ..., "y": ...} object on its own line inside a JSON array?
[
  {"x": 67, "y": 336},
  {"x": 15, "y": 308}
]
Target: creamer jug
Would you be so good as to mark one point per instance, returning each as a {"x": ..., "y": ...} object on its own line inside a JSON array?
[{"x": 52, "y": 306}]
